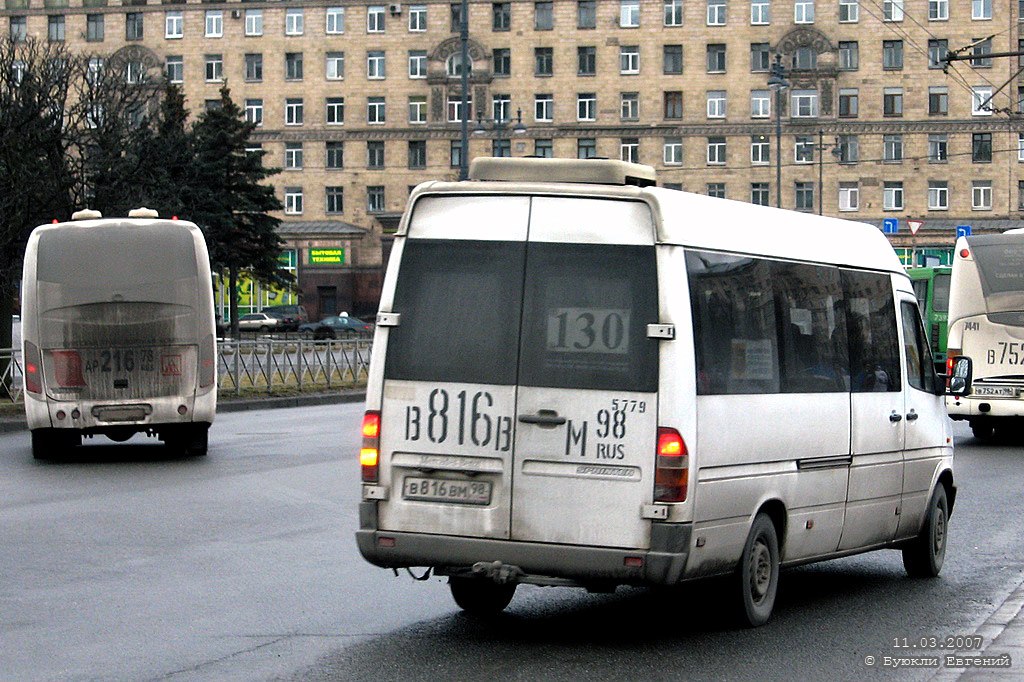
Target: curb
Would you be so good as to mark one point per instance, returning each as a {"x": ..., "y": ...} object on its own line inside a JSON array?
[{"x": 8, "y": 424}]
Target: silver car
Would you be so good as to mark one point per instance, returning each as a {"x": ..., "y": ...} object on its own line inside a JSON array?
[{"x": 258, "y": 322}]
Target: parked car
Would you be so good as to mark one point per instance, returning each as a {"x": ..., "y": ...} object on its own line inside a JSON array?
[
  {"x": 291, "y": 316},
  {"x": 336, "y": 326},
  {"x": 258, "y": 322}
]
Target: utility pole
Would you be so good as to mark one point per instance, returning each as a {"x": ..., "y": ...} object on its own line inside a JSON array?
[
  {"x": 778, "y": 82},
  {"x": 464, "y": 72}
]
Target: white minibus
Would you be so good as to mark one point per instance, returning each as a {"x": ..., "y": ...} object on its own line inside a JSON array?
[
  {"x": 118, "y": 332},
  {"x": 580, "y": 379},
  {"x": 986, "y": 324}
]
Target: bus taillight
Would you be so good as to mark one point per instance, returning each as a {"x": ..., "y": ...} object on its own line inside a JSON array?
[
  {"x": 207, "y": 361},
  {"x": 369, "y": 453},
  {"x": 67, "y": 368},
  {"x": 33, "y": 373},
  {"x": 672, "y": 467}
]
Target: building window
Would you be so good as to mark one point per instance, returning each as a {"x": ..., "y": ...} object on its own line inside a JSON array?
[
  {"x": 849, "y": 149},
  {"x": 981, "y": 147},
  {"x": 938, "y": 195},
  {"x": 375, "y": 18},
  {"x": 417, "y": 108},
  {"x": 334, "y": 66},
  {"x": 375, "y": 198},
  {"x": 174, "y": 68},
  {"x": 293, "y": 200},
  {"x": 629, "y": 13},
  {"x": 174, "y": 25},
  {"x": 938, "y": 10},
  {"x": 500, "y": 105},
  {"x": 630, "y": 106},
  {"x": 848, "y": 102},
  {"x": 214, "y": 67},
  {"x": 417, "y": 18},
  {"x": 133, "y": 26},
  {"x": 892, "y": 54},
  {"x": 455, "y": 153},
  {"x": 760, "y": 12},
  {"x": 673, "y": 105},
  {"x": 759, "y": 193},
  {"x": 417, "y": 63},
  {"x": 19, "y": 28},
  {"x": 293, "y": 155},
  {"x": 716, "y": 58},
  {"x": 760, "y": 150},
  {"x": 543, "y": 61},
  {"x": 629, "y": 149},
  {"x": 214, "y": 24},
  {"x": 804, "y": 103},
  {"x": 716, "y": 151},
  {"x": 455, "y": 108},
  {"x": 294, "y": 22},
  {"x": 715, "y": 189},
  {"x": 979, "y": 60},
  {"x": 804, "y": 196},
  {"x": 502, "y": 61},
  {"x": 760, "y": 57},
  {"x": 586, "y": 148},
  {"x": 760, "y": 103},
  {"x": 849, "y": 55},
  {"x": 672, "y": 57},
  {"x": 629, "y": 59},
  {"x": 335, "y": 113},
  {"x": 375, "y": 110},
  {"x": 543, "y": 147},
  {"x": 938, "y": 147},
  {"x": 334, "y": 155},
  {"x": 805, "y": 58},
  {"x": 892, "y": 101},
  {"x": 543, "y": 16},
  {"x": 716, "y": 13},
  {"x": 293, "y": 66},
  {"x": 892, "y": 10},
  {"x": 254, "y": 111},
  {"x": 716, "y": 104},
  {"x": 586, "y": 106},
  {"x": 981, "y": 100},
  {"x": 335, "y": 20},
  {"x": 672, "y": 151},
  {"x": 673, "y": 12},
  {"x": 375, "y": 154},
  {"x": 803, "y": 149},
  {"x": 586, "y": 60},
  {"x": 501, "y": 16},
  {"x": 803, "y": 11},
  {"x": 981, "y": 10},
  {"x": 849, "y": 196},
  {"x": 892, "y": 148},
  {"x": 892, "y": 196},
  {"x": 849, "y": 11},
  {"x": 94, "y": 28},
  {"x": 981, "y": 195},
  {"x": 334, "y": 200},
  {"x": 55, "y": 28},
  {"x": 1020, "y": 146},
  {"x": 543, "y": 108},
  {"x": 375, "y": 67},
  {"x": 938, "y": 100},
  {"x": 293, "y": 111},
  {"x": 586, "y": 14},
  {"x": 1020, "y": 195},
  {"x": 937, "y": 51},
  {"x": 254, "y": 67}
]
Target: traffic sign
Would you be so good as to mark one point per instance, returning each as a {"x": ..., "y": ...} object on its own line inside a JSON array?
[
  {"x": 914, "y": 225},
  {"x": 963, "y": 231},
  {"x": 890, "y": 225}
]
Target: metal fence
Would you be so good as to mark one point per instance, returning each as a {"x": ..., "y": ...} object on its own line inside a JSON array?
[{"x": 265, "y": 366}]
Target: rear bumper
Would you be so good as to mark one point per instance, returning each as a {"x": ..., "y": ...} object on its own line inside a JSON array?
[{"x": 663, "y": 563}]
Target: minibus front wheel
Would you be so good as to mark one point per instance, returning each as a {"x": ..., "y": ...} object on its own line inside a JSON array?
[{"x": 481, "y": 596}]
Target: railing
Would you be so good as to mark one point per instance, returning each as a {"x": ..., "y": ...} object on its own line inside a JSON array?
[{"x": 258, "y": 366}]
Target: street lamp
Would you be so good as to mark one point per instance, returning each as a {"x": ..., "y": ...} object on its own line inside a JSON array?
[
  {"x": 499, "y": 125},
  {"x": 777, "y": 81}
]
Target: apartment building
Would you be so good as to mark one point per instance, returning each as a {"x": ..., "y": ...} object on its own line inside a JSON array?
[{"x": 360, "y": 101}]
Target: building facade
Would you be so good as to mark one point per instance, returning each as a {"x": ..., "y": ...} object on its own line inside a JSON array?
[{"x": 360, "y": 101}]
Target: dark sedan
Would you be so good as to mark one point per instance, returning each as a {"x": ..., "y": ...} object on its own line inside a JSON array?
[{"x": 336, "y": 326}]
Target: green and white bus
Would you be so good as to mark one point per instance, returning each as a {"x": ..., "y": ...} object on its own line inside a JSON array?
[{"x": 931, "y": 287}]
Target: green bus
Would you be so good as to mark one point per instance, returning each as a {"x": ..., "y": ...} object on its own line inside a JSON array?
[{"x": 931, "y": 286}]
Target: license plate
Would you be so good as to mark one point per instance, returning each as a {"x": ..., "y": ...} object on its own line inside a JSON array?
[
  {"x": 446, "y": 490},
  {"x": 1001, "y": 391}
]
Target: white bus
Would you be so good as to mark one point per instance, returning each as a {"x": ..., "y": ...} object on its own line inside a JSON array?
[
  {"x": 584, "y": 382},
  {"x": 986, "y": 324},
  {"x": 118, "y": 332}
]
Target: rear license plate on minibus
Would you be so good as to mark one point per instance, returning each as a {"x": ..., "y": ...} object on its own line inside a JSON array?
[
  {"x": 446, "y": 490},
  {"x": 999, "y": 391}
]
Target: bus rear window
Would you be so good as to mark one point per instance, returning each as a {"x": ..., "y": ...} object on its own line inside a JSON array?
[{"x": 1000, "y": 260}]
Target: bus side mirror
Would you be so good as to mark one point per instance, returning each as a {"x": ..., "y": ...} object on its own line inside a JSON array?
[{"x": 960, "y": 376}]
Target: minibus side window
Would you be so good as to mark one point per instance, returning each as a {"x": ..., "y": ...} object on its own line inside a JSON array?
[
  {"x": 460, "y": 302},
  {"x": 918, "y": 369},
  {"x": 871, "y": 328}
]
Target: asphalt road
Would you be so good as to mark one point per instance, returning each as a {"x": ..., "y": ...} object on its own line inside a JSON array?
[{"x": 128, "y": 565}]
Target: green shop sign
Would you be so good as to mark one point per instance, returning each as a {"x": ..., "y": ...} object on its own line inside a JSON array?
[{"x": 326, "y": 256}]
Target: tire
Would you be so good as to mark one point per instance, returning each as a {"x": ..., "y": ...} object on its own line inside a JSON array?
[
  {"x": 479, "y": 596},
  {"x": 197, "y": 444},
  {"x": 53, "y": 443},
  {"x": 981, "y": 430},
  {"x": 757, "y": 577},
  {"x": 923, "y": 556},
  {"x": 264, "y": 329}
]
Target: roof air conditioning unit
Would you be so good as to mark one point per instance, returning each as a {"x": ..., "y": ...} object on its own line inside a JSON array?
[{"x": 395, "y": 8}]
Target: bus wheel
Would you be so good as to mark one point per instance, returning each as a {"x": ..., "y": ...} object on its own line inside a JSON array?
[
  {"x": 757, "y": 577},
  {"x": 479, "y": 596},
  {"x": 198, "y": 442},
  {"x": 923, "y": 556},
  {"x": 981, "y": 430},
  {"x": 53, "y": 443}
]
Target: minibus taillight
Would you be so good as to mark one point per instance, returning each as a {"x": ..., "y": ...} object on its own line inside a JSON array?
[
  {"x": 368, "y": 455},
  {"x": 672, "y": 467},
  {"x": 207, "y": 361},
  {"x": 33, "y": 371},
  {"x": 67, "y": 368}
]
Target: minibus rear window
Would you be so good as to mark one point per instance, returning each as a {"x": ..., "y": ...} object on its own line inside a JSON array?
[{"x": 459, "y": 302}]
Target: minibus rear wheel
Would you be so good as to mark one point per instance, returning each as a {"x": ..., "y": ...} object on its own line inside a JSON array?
[
  {"x": 757, "y": 577},
  {"x": 923, "y": 556},
  {"x": 480, "y": 596}
]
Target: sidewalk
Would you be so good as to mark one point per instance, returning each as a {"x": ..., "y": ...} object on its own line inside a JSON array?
[{"x": 355, "y": 395}]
